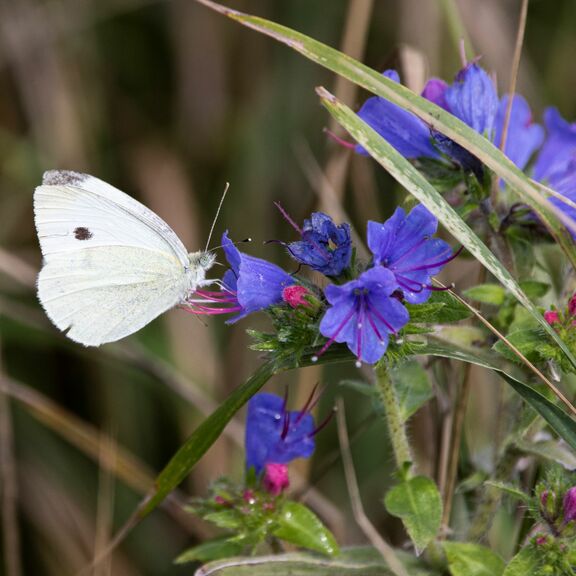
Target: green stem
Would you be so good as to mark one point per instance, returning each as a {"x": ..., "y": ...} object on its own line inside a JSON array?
[
  {"x": 492, "y": 496},
  {"x": 396, "y": 428}
]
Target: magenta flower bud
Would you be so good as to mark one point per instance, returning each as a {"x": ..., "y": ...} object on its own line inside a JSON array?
[
  {"x": 276, "y": 478},
  {"x": 552, "y": 317},
  {"x": 572, "y": 305},
  {"x": 295, "y": 295},
  {"x": 570, "y": 505}
]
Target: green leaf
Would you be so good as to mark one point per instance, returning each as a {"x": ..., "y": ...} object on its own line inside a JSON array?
[
  {"x": 402, "y": 169},
  {"x": 526, "y": 562},
  {"x": 441, "y": 308},
  {"x": 550, "y": 450},
  {"x": 296, "y": 564},
  {"x": 418, "y": 504},
  {"x": 557, "y": 419},
  {"x": 412, "y": 387},
  {"x": 487, "y": 294},
  {"x": 224, "y": 519},
  {"x": 299, "y": 525},
  {"x": 203, "y": 437},
  {"x": 532, "y": 343},
  {"x": 209, "y": 551},
  {"x": 510, "y": 491},
  {"x": 472, "y": 560},
  {"x": 534, "y": 289}
]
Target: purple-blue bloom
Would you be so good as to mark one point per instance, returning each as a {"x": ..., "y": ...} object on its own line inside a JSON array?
[
  {"x": 404, "y": 245},
  {"x": 565, "y": 183},
  {"x": 249, "y": 285},
  {"x": 363, "y": 313},
  {"x": 559, "y": 150},
  {"x": 324, "y": 247},
  {"x": 275, "y": 435},
  {"x": 524, "y": 136},
  {"x": 402, "y": 129},
  {"x": 473, "y": 99}
]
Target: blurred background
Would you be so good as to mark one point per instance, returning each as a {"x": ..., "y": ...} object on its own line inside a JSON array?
[{"x": 167, "y": 101}]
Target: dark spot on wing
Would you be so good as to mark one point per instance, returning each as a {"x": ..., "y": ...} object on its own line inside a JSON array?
[
  {"x": 63, "y": 178},
  {"x": 82, "y": 233}
]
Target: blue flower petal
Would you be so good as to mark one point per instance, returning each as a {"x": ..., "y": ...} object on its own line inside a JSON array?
[
  {"x": 559, "y": 148},
  {"x": 565, "y": 183},
  {"x": 524, "y": 137},
  {"x": 403, "y": 130},
  {"x": 403, "y": 245},
  {"x": 260, "y": 283},
  {"x": 435, "y": 91},
  {"x": 324, "y": 247},
  {"x": 472, "y": 98},
  {"x": 363, "y": 313},
  {"x": 264, "y": 425}
]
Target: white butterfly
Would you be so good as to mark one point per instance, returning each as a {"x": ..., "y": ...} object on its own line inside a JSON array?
[{"x": 110, "y": 264}]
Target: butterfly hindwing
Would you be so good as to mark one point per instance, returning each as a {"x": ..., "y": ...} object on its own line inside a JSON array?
[{"x": 110, "y": 264}]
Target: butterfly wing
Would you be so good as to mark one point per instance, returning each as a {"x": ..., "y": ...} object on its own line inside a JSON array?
[{"x": 110, "y": 264}]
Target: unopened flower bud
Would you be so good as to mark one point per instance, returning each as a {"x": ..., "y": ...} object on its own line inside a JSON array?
[
  {"x": 295, "y": 295},
  {"x": 572, "y": 305},
  {"x": 569, "y": 505},
  {"x": 552, "y": 317},
  {"x": 276, "y": 478}
]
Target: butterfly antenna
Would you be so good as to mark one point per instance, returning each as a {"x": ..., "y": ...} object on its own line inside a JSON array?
[{"x": 216, "y": 217}]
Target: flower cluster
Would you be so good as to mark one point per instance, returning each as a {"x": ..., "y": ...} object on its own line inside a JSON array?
[
  {"x": 362, "y": 306},
  {"x": 472, "y": 98}
]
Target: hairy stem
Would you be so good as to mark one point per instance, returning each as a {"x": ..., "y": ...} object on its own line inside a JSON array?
[
  {"x": 492, "y": 496},
  {"x": 396, "y": 428}
]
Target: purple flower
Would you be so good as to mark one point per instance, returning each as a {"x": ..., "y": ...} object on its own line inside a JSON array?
[
  {"x": 403, "y": 245},
  {"x": 524, "y": 136},
  {"x": 362, "y": 313},
  {"x": 274, "y": 435},
  {"x": 569, "y": 505},
  {"x": 402, "y": 129},
  {"x": 251, "y": 284},
  {"x": 473, "y": 99},
  {"x": 564, "y": 183},
  {"x": 559, "y": 150},
  {"x": 324, "y": 247}
]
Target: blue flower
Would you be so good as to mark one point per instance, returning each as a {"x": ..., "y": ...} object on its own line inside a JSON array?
[
  {"x": 402, "y": 129},
  {"x": 565, "y": 183},
  {"x": 324, "y": 247},
  {"x": 275, "y": 435},
  {"x": 524, "y": 136},
  {"x": 363, "y": 313},
  {"x": 473, "y": 99},
  {"x": 251, "y": 284},
  {"x": 403, "y": 245},
  {"x": 559, "y": 150}
]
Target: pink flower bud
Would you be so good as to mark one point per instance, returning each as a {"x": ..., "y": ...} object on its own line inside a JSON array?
[
  {"x": 570, "y": 505},
  {"x": 552, "y": 317},
  {"x": 276, "y": 478},
  {"x": 294, "y": 295},
  {"x": 572, "y": 305}
]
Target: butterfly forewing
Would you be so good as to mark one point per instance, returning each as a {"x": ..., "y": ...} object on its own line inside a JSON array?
[{"x": 111, "y": 264}]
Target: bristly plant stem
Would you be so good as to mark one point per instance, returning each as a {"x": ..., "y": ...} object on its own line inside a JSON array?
[
  {"x": 492, "y": 496},
  {"x": 396, "y": 428}
]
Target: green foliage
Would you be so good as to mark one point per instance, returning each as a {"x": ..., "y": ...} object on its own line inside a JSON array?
[
  {"x": 416, "y": 501},
  {"x": 209, "y": 551},
  {"x": 487, "y": 294},
  {"x": 544, "y": 556},
  {"x": 297, "y": 524},
  {"x": 412, "y": 387},
  {"x": 253, "y": 517},
  {"x": 441, "y": 308},
  {"x": 466, "y": 559}
]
